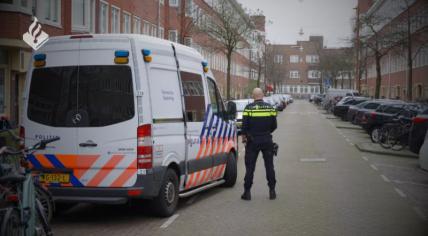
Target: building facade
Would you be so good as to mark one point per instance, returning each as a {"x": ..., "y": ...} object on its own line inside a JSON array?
[
  {"x": 167, "y": 19},
  {"x": 394, "y": 64},
  {"x": 296, "y": 68}
]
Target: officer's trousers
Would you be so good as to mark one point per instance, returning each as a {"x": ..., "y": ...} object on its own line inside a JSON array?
[{"x": 251, "y": 152}]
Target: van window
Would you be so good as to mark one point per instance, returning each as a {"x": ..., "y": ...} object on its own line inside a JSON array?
[
  {"x": 217, "y": 105},
  {"x": 372, "y": 106},
  {"x": 97, "y": 95},
  {"x": 193, "y": 96}
]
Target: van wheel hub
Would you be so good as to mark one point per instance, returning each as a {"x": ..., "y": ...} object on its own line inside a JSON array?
[{"x": 169, "y": 192}]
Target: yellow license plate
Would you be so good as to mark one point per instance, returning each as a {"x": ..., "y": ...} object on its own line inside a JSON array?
[{"x": 55, "y": 178}]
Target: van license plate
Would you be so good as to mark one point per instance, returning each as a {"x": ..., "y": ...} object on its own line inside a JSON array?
[{"x": 55, "y": 178}]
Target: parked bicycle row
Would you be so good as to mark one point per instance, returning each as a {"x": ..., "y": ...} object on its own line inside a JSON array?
[
  {"x": 394, "y": 124},
  {"x": 26, "y": 206}
]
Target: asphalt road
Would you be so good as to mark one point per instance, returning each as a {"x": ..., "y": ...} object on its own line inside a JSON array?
[{"x": 324, "y": 187}]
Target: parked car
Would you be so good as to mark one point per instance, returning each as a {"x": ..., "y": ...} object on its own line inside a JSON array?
[
  {"x": 387, "y": 113},
  {"x": 240, "y": 106},
  {"x": 366, "y": 108},
  {"x": 418, "y": 131},
  {"x": 423, "y": 154},
  {"x": 279, "y": 99},
  {"x": 273, "y": 102},
  {"x": 342, "y": 107}
]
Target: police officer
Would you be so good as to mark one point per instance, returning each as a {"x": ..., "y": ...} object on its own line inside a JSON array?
[{"x": 259, "y": 121}]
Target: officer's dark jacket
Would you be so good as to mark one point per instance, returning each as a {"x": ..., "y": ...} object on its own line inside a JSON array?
[{"x": 258, "y": 119}]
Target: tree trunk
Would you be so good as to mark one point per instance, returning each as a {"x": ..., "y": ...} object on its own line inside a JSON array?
[
  {"x": 259, "y": 74},
  {"x": 342, "y": 79},
  {"x": 350, "y": 80},
  {"x": 229, "y": 61},
  {"x": 378, "y": 75},
  {"x": 409, "y": 65}
]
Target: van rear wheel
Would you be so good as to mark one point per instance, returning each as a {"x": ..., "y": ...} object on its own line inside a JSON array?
[
  {"x": 165, "y": 203},
  {"x": 231, "y": 171}
]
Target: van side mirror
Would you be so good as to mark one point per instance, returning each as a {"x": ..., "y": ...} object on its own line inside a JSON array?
[{"x": 231, "y": 110}]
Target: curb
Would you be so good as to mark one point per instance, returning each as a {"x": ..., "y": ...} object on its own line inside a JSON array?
[
  {"x": 348, "y": 127},
  {"x": 388, "y": 153}
]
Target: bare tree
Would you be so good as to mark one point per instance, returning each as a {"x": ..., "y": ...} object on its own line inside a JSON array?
[
  {"x": 410, "y": 38},
  {"x": 230, "y": 26},
  {"x": 379, "y": 38},
  {"x": 335, "y": 62}
]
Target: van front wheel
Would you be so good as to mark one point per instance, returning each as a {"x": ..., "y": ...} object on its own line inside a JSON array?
[
  {"x": 166, "y": 202},
  {"x": 231, "y": 172}
]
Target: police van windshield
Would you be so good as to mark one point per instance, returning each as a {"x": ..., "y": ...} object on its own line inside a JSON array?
[{"x": 84, "y": 96}]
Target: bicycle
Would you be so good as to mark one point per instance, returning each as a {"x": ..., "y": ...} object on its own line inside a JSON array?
[
  {"x": 394, "y": 135},
  {"x": 21, "y": 211}
]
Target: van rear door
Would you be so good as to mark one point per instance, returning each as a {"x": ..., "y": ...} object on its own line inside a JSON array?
[
  {"x": 107, "y": 130},
  {"x": 51, "y": 98}
]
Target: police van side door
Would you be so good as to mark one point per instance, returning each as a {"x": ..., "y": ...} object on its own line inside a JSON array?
[
  {"x": 221, "y": 132},
  {"x": 195, "y": 103}
]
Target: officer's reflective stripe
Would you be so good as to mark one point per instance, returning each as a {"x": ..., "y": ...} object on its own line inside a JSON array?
[{"x": 262, "y": 114}]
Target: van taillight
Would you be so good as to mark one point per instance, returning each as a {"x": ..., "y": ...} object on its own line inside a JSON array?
[
  {"x": 22, "y": 136},
  {"x": 144, "y": 147},
  {"x": 373, "y": 115},
  {"x": 419, "y": 120}
]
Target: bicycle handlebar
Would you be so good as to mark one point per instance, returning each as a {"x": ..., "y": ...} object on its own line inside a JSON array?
[{"x": 38, "y": 146}]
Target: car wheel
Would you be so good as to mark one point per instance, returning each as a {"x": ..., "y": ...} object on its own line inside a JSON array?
[
  {"x": 374, "y": 134},
  {"x": 165, "y": 203},
  {"x": 231, "y": 171}
]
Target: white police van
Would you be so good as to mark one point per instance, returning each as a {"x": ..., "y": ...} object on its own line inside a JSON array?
[{"x": 137, "y": 117}]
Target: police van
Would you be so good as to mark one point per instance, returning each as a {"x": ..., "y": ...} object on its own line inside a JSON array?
[{"x": 138, "y": 117}]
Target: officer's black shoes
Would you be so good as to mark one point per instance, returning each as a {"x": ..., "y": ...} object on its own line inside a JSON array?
[
  {"x": 246, "y": 195},
  {"x": 272, "y": 194}
]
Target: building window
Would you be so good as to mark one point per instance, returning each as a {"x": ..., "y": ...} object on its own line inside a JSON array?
[
  {"x": 146, "y": 28},
  {"x": 294, "y": 59},
  {"x": 103, "y": 18},
  {"x": 312, "y": 59},
  {"x": 115, "y": 20},
  {"x": 314, "y": 74},
  {"x": 162, "y": 2},
  {"x": 172, "y": 35},
  {"x": 188, "y": 42},
  {"x": 190, "y": 9},
  {"x": 278, "y": 59},
  {"x": 126, "y": 23},
  {"x": 154, "y": 31},
  {"x": 173, "y": 3},
  {"x": 83, "y": 15},
  {"x": 161, "y": 32},
  {"x": 294, "y": 74},
  {"x": 49, "y": 11},
  {"x": 137, "y": 25}
]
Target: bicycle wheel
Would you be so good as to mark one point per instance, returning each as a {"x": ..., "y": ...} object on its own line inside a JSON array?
[
  {"x": 46, "y": 201},
  {"x": 394, "y": 138},
  {"x": 11, "y": 225},
  {"x": 42, "y": 224},
  {"x": 401, "y": 142},
  {"x": 383, "y": 137}
]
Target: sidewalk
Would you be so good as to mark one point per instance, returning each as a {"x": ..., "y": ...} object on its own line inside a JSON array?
[{"x": 377, "y": 149}]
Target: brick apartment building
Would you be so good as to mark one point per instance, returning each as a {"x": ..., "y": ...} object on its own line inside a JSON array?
[
  {"x": 394, "y": 64},
  {"x": 167, "y": 19},
  {"x": 297, "y": 66}
]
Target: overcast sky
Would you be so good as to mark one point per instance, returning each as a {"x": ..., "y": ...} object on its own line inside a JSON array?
[{"x": 330, "y": 18}]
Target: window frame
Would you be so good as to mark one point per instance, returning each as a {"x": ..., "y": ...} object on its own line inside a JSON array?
[
  {"x": 176, "y": 35},
  {"x": 136, "y": 19},
  {"x": 221, "y": 110},
  {"x": 126, "y": 14},
  {"x": 103, "y": 3},
  {"x": 41, "y": 12},
  {"x": 173, "y": 3},
  {"x": 113, "y": 23}
]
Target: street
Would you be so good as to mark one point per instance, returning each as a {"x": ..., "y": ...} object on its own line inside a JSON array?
[{"x": 325, "y": 186}]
